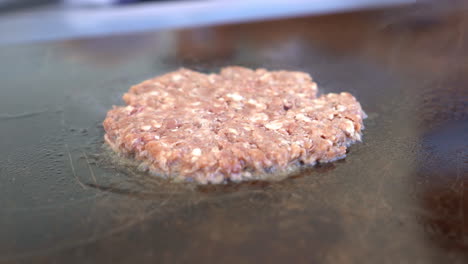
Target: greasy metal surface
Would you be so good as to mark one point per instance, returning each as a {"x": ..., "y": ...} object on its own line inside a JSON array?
[{"x": 398, "y": 197}]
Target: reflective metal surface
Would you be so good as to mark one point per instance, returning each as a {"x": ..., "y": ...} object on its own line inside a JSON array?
[{"x": 399, "y": 197}]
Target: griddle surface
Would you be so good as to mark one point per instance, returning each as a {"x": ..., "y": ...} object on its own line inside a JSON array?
[{"x": 398, "y": 197}]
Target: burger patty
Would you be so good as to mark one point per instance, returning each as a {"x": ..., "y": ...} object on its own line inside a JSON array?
[{"x": 240, "y": 124}]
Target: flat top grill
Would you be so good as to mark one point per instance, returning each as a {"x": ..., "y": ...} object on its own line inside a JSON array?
[{"x": 399, "y": 194}]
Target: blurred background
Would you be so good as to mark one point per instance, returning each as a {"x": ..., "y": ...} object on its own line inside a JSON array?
[{"x": 42, "y": 20}]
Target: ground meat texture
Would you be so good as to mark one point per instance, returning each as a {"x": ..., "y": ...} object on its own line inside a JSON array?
[{"x": 240, "y": 124}]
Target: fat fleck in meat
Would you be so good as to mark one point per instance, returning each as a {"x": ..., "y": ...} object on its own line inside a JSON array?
[{"x": 240, "y": 124}]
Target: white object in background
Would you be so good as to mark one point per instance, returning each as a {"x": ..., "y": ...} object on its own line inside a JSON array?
[
  {"x": 89, "y": 2},
  {"x": 52, "y": 24}
]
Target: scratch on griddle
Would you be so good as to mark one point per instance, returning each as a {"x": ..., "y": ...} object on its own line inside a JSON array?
[
  {"x": 21, "y": 115},
  {"x": 462, "y": 194},
  {"x": 84, "y": 241},
  {"x": 373, "y": 210},
  {"x": 90, "y": 169},
  {"x": 461, "y": 35},
  {"x": 45, "y": 63},
  {"x": 73, "y": 167},
  {"x": 395, "y": 51}
]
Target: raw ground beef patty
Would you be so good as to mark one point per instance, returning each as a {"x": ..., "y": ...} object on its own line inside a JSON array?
[{"x": 240, "y": 124}]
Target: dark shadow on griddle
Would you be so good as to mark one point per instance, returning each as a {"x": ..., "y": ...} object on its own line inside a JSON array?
[{"x": 441, "y": 187}]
